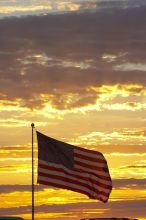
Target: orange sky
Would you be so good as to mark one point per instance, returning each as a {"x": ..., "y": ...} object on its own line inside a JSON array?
[{"x": 77, "y": 70}]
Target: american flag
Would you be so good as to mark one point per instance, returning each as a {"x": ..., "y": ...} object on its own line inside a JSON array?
[{"x": 69, "y": 167}]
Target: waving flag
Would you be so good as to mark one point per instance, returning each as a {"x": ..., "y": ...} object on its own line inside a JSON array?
[{"x": 69, "y": 167}]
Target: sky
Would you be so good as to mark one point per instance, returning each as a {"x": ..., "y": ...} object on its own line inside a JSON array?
[{"x": 76, "y": 69}]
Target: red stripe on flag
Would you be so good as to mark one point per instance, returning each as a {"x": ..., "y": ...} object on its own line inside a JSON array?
[
  {"x": 76, "y": 173},
  {"x": 77, "y": 183},
  {"x": 62, "y": 186},
  {"x": 92, "y": 167},
  {"x": 96, "y": 153},
  {"x": 88, "y": 158},
  {"x": 61, "y": 174},
  {"x": 69, "y": 167}
]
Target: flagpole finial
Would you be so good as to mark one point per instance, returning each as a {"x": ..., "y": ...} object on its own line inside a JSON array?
[{"x": 32, "y": 125}]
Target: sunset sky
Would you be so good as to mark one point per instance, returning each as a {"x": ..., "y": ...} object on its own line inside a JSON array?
[{"x": 77, "y": 69}]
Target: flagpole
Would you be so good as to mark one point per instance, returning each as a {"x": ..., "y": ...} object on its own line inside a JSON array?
[{"x": 32, "y": 125}]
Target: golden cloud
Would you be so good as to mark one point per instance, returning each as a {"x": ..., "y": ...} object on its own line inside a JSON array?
[
  {"x": 56, "y": 105},
  {"x": 45, "y": 7},
  {"x": 125, "y": 136}
]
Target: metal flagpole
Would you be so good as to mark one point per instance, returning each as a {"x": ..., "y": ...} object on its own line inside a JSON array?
[{"x": 32, "y": 125}]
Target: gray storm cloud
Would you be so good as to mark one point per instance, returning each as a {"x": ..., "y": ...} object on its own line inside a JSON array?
[{"x": 69, "y": 52}]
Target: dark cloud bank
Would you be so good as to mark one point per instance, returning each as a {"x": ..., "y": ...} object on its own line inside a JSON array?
[
  {"x": 67, "y": 42},
  {"x": 124, "y": 208},
  {"x": 117, "y": 184},
  {"x": 132, "y": 209}
]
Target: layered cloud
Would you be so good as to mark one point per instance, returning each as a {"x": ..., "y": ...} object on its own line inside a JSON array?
[
  {"x": 82, "y": 210},
  {"x": 52, "y": 54},
  {"x": 15, "y": 8},
  {"x": 21, "y": 8},
  {"x": 116, "y": 137},
  {"x": 117, "y": 184},
  {"x": 58, "y": 204}
]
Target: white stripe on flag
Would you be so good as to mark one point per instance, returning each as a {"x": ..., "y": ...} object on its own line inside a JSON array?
[
  {"x": 85, "y": 169},
  {"x": 73, "y": 168},
  {"x": 92, "y": 163},
  {"x": 82, "y": 174},
  {"x": 68, "y": 184},
  {"x": 94, "y": 154},
  {"x": 62, "y": 174}
]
